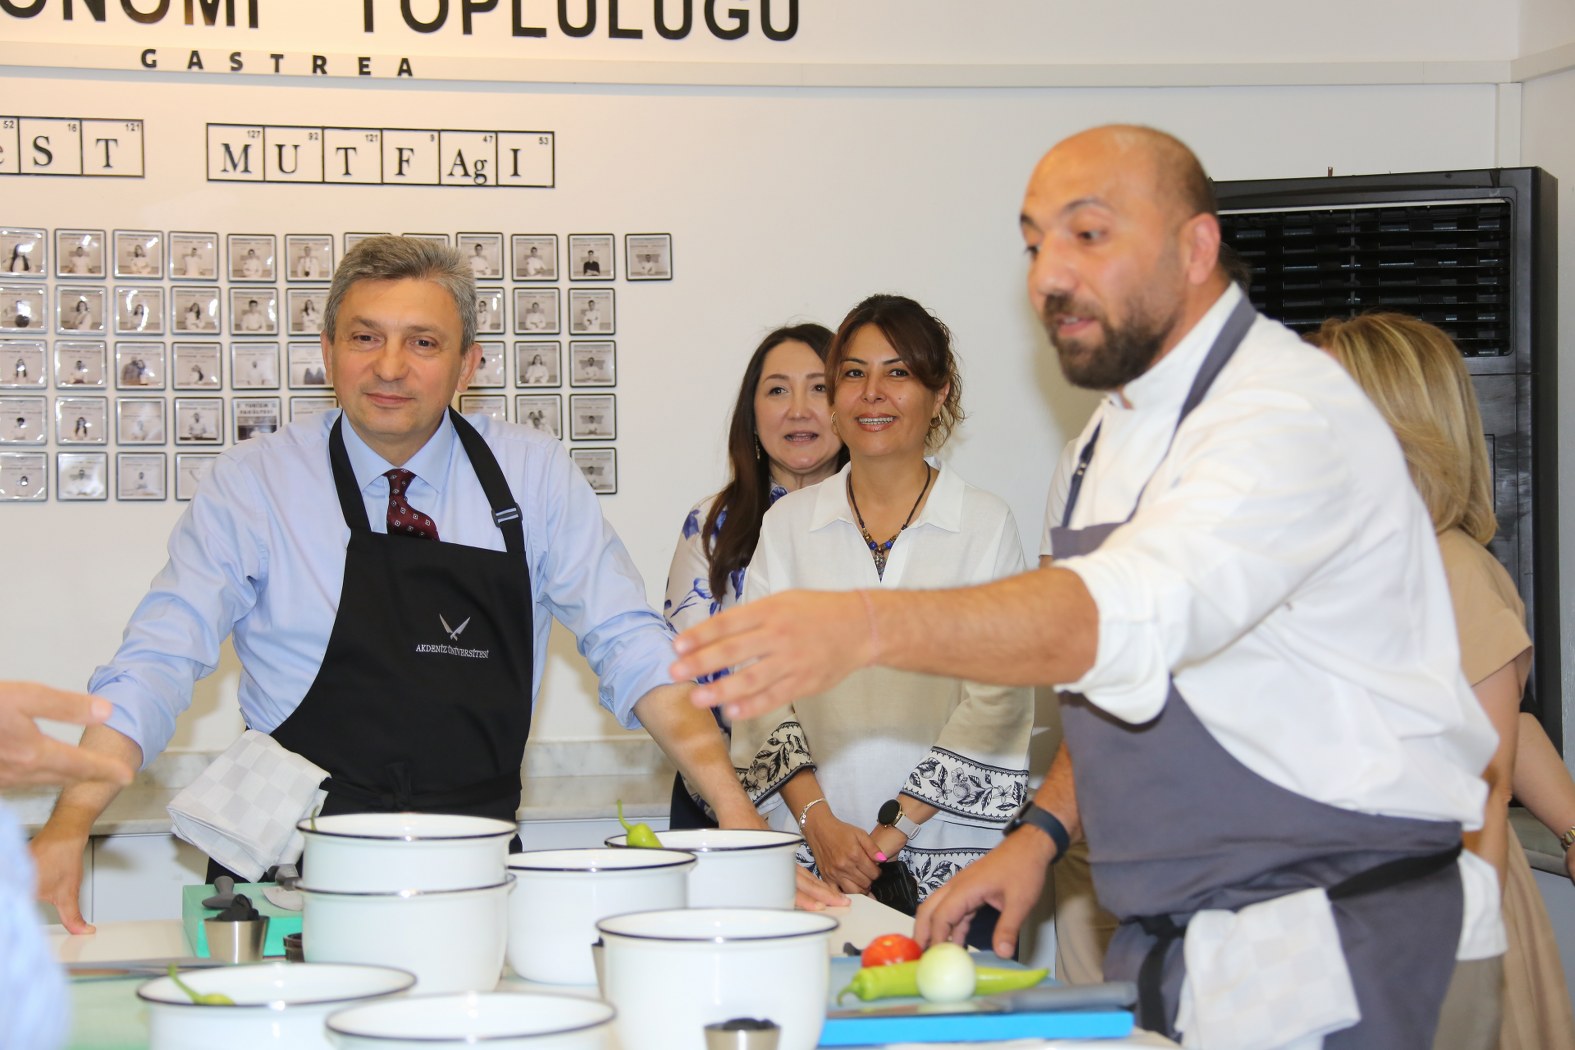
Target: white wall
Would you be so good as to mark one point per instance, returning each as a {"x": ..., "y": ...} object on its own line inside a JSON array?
[{"x": 783, "y": 204}]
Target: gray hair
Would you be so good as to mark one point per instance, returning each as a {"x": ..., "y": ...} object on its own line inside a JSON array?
[{"x": 388, "y": 258}]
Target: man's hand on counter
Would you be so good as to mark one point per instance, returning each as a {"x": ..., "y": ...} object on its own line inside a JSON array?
[
  {"x": 28, "y": 757},
  {"x": 57, "y": 854}
]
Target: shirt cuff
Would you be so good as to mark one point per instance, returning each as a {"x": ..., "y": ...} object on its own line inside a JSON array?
[
  {"x": 640, "y": 665},
  {"x": 1130, "y": 678}
]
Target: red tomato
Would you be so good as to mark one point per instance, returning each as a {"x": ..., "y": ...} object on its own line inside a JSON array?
[{"x": 890, "y": 949}]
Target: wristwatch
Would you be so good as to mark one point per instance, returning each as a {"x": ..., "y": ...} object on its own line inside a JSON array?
[
  {"x": 892, "y": 816},
  {"x": 1046, "y": 822}
]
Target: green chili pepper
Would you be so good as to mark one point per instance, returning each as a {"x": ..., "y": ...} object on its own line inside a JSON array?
[
  {"x": 884, "y": 982},
  {"x": 902, "y": 980},
  {"x": 639, "y": 835},
  {"x": 994, "y": 979},
  {"x": 200, "y": 998}
]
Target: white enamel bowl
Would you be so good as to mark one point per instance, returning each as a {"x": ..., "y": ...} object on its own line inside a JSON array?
[
  {"x": 500, "y": 1021},
  {"x": 278, "y": 1006},
  {"x": 366, "y": 852},
  {"x": 671, "y": 973},
  {"x": 737, "y": 868},
  {"x": 561, "y": 893},
  {"x": 452, "y": 940}
]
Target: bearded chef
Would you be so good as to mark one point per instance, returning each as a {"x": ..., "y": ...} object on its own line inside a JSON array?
[
  {"x": 389, "y": 574},
  {"x": 1275, "y": 750}
]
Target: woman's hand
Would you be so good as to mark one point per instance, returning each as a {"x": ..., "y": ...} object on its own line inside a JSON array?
[{"x": 846, "y": 856}]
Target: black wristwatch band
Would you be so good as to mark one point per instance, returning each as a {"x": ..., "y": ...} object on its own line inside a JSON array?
[{"x": 1046, "y": 822}]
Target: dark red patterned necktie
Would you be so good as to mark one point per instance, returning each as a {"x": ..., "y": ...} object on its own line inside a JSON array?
[{"x": 403, "y": 519}]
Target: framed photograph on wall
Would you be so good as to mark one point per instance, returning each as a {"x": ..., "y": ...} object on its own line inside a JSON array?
[
  {"x": 489, "y": 311},
  {"x": 23, "y": 252},
  {"x": 593, "y": 417},
  {"x": 23, "y": 419},
  {"x": 80, "y": 364},
  {"x": 251, "y": 256},
  {"x": 306, "y": 366},
  {"x": 139, "y": 421},
  {"x": 199, "y": 421},
  {"x": 140, "y": 475},
  {"x": 139, "y": 253},
  {"x": 535, "y": 256},
  {"x": 22, "y": 308},
  {"x": 591, "y": 256},
  {"x": 80, "y": 310},
  {"x": 23, "y": 364},
  {"x": 190, "y": 469},
  {"x": 79, "y": 253},
  {"x": 309, "y": 256},
  {"x": 254, "y": 366},
  {"x": 536, "y": 311},
  {"x": 353, "y": 239},
  {"x": 591, "y": 311},
  {"x": 600, "y": 467},
  {"x": 254, "y": 311},
  {"x": 304, "y": 310},
  {"x": 543, "y": 412},
  {"x": 139, "y": 309},
  {"x": 494, "y": 405},
  {"x": 538, "y": 364},
  {"x": 307, "y": 407},
  {"x": 256, "y": 415},
  {"x": 492, "y": 370},
  {"x": 194, "y": 256},
  {"x": 81, "y": 420},
  {"x": 81, "y": 476},
  {"x": 195, "y": 309},
  {"x": 196, "y": 366},
  {"x": 648, "y": 256},
  {"x": 593, "y": 363},
  {"x": 24, "y": 477},
  {"x": 139, "y": 366},
  {"x": 483, "y": 253}
]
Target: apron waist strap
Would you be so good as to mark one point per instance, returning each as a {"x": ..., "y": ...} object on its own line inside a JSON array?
[
  {"x": 402, "y": 797},
  {"x": 1167, "y": 931}
]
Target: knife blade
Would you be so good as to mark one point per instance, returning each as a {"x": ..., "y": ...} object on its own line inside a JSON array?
[
  {"x": 113, "y": 969},
  {"x": 1111, "y": 995}
]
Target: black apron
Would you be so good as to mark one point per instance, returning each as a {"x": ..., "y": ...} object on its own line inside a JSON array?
[
  {"x": 423, "y": 699},
  {"x": 1175, "y": 824}
]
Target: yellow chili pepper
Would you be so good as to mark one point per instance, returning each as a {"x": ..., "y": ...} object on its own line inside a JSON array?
[
  {"x": 902, "y": 980},
  {"x": 638, "y": 835}
]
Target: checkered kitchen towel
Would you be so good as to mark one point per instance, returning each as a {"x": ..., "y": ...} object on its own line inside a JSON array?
[
  {"x": 242, "y": 809},
  {"x": 1271, "y": 975}
]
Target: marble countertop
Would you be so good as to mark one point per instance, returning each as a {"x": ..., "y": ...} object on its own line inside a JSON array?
[{"x": 563, "y": 780}]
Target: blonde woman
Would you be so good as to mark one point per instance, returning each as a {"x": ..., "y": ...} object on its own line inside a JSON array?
[{"x": 1416, "y": 378}]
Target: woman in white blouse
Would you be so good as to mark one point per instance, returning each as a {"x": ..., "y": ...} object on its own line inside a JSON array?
[
  {"x": 780, "y": 439},
  {"x": 890, "y": 765}
]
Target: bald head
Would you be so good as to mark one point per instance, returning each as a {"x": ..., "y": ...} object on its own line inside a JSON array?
[{"x": 1161, "y": 164}]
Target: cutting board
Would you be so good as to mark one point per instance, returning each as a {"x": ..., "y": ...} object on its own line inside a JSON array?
[{"x": 955, "y": 1024}]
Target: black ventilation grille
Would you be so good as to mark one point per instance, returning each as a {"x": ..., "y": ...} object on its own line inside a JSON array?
[{"x": 1447, "y": 263}]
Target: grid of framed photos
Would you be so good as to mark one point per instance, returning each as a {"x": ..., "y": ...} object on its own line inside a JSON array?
[{"x": 129, "y": 357}]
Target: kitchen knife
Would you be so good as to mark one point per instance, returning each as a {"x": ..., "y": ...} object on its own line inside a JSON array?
[{"x": 90, "y": 971}]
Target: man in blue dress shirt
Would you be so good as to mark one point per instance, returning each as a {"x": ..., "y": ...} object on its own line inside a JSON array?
[{"x": 388, "y": 575}]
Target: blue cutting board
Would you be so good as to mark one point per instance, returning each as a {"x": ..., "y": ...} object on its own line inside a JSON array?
[{"x": 954, "y": 1023}]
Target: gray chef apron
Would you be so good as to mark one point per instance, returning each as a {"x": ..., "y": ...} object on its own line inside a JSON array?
[{"x": 1175, "y": 824}]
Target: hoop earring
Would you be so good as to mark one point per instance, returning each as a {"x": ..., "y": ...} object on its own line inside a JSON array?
[
  {"x": 834, "y": 429},
  {"x": 760, "y": 453}
]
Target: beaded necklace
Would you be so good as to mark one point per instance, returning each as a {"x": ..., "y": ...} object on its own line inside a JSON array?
[{"x": 879, "y": 551}]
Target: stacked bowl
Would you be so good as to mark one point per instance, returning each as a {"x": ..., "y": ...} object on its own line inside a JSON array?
[{"x": 423, "y": 892}]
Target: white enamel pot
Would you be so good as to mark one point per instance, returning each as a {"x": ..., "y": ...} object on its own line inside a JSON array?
[{"x": 737, "y": 868}]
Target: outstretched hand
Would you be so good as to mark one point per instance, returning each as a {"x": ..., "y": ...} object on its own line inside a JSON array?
[
  {"x": 780, "y": 648},
  {"x": 28, "y": 757}
]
